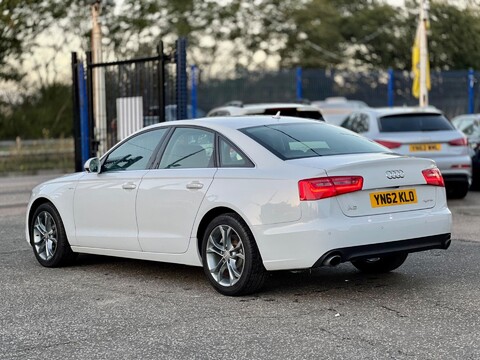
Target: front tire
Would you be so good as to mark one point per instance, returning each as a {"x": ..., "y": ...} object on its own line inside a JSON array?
[
  {"x": 48, "y": 237},
  {"x": 381, "y": 264},
  {"x": 231, "y": 260}
]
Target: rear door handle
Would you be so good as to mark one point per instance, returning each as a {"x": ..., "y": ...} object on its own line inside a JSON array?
[
  {"x": 195, "y": 185},
  {"x": 129, "y": 186}
]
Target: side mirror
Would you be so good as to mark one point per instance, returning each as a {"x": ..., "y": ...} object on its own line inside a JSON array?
[{"x": 92, "y": 165}]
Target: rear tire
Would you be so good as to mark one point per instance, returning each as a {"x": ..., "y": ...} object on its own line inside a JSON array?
[
  {"x": 231, "y": 260},
  {"x": 48, "y": 238},
  {"x": 457, "y": 190},
  {"x": 381, "y": 264}
]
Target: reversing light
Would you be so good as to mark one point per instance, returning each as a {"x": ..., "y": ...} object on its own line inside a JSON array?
[
  {"x": 459, "y": 142},
  {"x": 389, "y": 144},
  {"x": 325, "y": 187},
  {"x": 433, "y": 177}
]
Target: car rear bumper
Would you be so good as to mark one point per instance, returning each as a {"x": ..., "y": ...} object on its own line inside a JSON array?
[
  {"x": 300, "y": 245},
  {"x": 441, "y": 241}
]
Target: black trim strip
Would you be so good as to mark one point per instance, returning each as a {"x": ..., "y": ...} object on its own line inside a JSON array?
[{"x": 441, "y": 241}]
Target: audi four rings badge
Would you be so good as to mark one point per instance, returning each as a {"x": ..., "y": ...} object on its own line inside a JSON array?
[{"x": 395, "y": 174}]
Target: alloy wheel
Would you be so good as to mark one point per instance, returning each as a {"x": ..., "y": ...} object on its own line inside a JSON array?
[
  {"x": 225, "y": 255},
  {"x": 45, "y": 235}
]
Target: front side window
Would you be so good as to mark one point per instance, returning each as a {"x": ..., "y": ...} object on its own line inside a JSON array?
[
  {"x": 135, "y": 153},
  {"x": 189, "y": 148},
  {"x": 293, "y": 141},
  {"x": 349, "y": 121}
]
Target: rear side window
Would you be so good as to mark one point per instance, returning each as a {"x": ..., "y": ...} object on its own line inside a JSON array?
[
  {"x": 294, "y": 141},
  {"x": 231, "y": 156},
  {"x": 414, "y": 122}
]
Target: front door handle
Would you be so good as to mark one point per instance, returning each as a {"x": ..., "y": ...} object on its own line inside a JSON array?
[
  {"x": 195, "y": 185},
  {"x": 129, "y": 186}
]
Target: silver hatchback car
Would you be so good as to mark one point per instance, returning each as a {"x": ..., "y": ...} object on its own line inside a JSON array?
[{"x": 419, "y": 132}]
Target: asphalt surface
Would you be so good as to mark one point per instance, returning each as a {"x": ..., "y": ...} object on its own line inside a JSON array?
[{"x": 107, "y": 308}]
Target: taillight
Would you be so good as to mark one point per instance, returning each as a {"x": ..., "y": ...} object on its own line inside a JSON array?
[
  {"x": 459, "y": 142},
  {"x": 325, "y": 187},
  {"x": 433, "y": 177},
  {"x": 389, "y": 144}
]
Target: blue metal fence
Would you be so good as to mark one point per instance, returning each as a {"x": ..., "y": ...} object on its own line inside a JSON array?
[{"x": 454, "y": 92}]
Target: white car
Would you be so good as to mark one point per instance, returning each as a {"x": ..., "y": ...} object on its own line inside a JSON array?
[
  {"x": 419, "y": 132},
  {"x": 336, "y": 109},
  {"x": 237, "y": 108},
  {"x": 243, "y": 196}
]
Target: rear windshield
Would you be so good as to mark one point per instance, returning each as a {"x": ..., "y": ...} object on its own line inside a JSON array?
[
  {"x": 308, "y": 114},
  {"x": 294, "y": 141},
  {"x": 414, "y": 122}
]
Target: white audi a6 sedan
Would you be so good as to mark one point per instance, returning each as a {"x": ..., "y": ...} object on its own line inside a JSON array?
[{"x": 243, "y": 196}]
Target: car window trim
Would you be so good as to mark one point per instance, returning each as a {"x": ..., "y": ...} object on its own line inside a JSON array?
[
  {"x": 161, "y": 151},
  {"x": 150, "y": 161}
]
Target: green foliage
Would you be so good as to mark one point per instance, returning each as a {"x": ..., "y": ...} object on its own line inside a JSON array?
[
  {"x": 47, "y": 113},
  {"x": 20, "y": 22},
  {"x": 367, "y": 34},
  {"x": 454, "y": 38}
]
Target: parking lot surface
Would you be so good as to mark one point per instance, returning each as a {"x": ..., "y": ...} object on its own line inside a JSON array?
[{"x": 111, "y": 308}]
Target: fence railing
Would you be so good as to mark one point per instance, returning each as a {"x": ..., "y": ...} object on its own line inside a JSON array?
[
  {"x": 453, "y": 92},
  {"x": 30, "y": 156}
]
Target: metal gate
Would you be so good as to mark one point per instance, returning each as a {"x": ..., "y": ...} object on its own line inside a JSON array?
[{"x": 113, "y": 99}]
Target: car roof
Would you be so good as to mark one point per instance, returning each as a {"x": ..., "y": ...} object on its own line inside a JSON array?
[
  {"x": 246, "y": 108},
  {"x": 400, "y": 110},
  {"x": 238, "y": 122}
]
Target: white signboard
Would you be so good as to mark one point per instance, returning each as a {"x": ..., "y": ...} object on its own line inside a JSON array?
[{"x": 129, "y": 116}]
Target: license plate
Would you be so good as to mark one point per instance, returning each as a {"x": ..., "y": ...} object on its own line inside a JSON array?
[
  {"x": 394, "y": 197},
  {"x": 425, "y": 147}
]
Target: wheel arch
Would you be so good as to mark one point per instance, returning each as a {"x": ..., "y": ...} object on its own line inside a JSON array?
[
  {"x": 33, "y": 207},
  {"x": 207, "y": 218}
]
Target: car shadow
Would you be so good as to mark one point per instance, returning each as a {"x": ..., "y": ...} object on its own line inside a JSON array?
[{"x": 339, "y": 281}]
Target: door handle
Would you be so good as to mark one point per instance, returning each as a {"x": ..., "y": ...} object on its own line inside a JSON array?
[
  {"x": 195, "y": 185},
  {"x": 129, "y": 186}
]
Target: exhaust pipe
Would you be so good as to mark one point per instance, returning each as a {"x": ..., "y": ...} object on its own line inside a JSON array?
[{"x": 332, "y": 260}]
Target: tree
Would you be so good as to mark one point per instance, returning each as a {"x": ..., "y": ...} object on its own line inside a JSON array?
[
  {"x": 20, "y": 23},
  {"x": 454, "y": 37},
  {"x": 45, "y": 113}
]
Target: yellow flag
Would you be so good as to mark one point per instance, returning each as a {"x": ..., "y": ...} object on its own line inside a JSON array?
[{"x": 416, "y": 65}]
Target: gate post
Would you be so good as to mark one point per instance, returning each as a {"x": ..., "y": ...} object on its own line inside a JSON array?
[
  {"x": 298, "y": 82},
  {"x": 93, "y": 144},
  {"x": 390, "y": 87},
  {"x": 83, "y": 112},
  {"x": 193, "y": 94},
  {"x": 161, "y": 82},
  {"x": 471, "y": 93},
  {"x": 181, "y": 86},
  {"x": 76, "y": 114}
]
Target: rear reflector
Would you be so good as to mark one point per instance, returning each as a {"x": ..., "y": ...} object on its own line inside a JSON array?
[
  {"x": 459, "y": 142},
  {"x": 325, "y": 187},
  {"x": 433, "y": 177},
  {"x": 389, "y": 144},
  {"x": 461, "y": 166}
]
